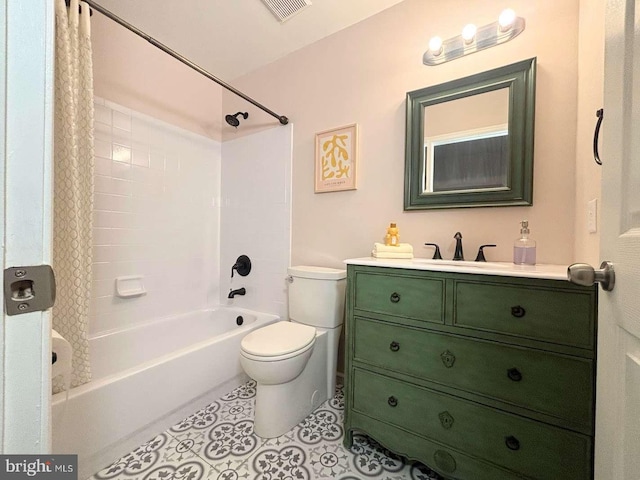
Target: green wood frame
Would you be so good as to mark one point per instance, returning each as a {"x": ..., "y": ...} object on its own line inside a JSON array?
[{"x": 520, "y": 79}]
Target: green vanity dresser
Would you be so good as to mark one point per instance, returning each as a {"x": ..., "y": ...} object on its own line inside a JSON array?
[{"x": 478, "y": 371}]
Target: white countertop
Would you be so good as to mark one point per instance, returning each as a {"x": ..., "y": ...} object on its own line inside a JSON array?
[{"x": 505, "y": 269}]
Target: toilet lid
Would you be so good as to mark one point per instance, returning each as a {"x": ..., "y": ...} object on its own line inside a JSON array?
[{"x": 278, "y": 338}]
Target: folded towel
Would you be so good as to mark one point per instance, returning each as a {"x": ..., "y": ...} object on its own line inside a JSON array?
[
  {"x": 400, "y": 248},
  {"x": 406, "y": 255}
]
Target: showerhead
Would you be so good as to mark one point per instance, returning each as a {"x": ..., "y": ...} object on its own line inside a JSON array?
[{"x": 233, "y": 119}]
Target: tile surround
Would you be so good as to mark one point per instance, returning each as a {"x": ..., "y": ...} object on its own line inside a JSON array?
[
  {"x": 256, "y": 218},
  {"x": 161, "y": 210},
  {"x": 155, "y": 214},
  {"x": 218, "y": 443}
]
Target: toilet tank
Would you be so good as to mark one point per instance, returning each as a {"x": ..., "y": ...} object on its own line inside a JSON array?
[{"x": 317, "y": 295}]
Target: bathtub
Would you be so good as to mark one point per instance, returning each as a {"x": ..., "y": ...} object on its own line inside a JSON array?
[{"x": 147, "y": 378}]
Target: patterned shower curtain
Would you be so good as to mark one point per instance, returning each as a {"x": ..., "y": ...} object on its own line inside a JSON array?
[{"x": 73, "y": 184}]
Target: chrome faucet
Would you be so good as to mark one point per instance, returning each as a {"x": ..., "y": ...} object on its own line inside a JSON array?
[
  {"x": 458, "y": 255},
  {"x": 239, "y": 291}
]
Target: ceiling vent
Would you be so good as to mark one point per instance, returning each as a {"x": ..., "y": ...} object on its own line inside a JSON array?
[{"x": 285, "y": 9}]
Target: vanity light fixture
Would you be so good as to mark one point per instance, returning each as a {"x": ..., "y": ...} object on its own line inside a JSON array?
[
  {"x": 506, "y": 19},
  {"x": 473, "y": 39},
  {"x": 469, "y": 33},
  {"x": 435, "y": 45}
]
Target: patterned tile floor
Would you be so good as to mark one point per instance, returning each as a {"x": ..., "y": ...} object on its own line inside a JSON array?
[{"x": 218, "y": 443}]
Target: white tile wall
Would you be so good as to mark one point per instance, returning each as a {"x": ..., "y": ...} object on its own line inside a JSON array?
[
  {"x": 156, "y": 214},
  {"x": 256, "y": 218}
]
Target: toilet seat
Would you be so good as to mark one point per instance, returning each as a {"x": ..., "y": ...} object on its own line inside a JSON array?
[
  {"x": 278, "y": 341},
  {"x": 276, "y": 358}
]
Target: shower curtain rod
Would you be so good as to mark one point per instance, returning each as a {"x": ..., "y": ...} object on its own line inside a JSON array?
[{"x": 281, "y": 118}]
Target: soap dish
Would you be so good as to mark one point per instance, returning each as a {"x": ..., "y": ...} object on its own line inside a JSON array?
[{"x": 131, "y": 286}]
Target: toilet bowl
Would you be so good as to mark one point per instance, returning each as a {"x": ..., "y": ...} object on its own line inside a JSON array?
[
  {"x": 294, "y": 362},
  {"x": 277, "y": 353}
]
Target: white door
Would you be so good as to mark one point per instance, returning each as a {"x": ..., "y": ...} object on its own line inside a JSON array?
[
  {"x": 26, "y": 105},
  {"x": 618, "y": 376}
]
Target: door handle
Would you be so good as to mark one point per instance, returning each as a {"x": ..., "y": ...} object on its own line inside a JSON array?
[
  {"x": 596, "y": 134},
  {"x": 584, "y": 274}
]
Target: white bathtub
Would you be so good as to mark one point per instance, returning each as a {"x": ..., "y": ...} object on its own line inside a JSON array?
[{"x": 146, "y": 379}]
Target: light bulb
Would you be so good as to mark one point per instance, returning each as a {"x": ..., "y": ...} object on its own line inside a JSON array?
[
  {"x": 435, "y": 45},
  {"x": 506, "y": 19},
  {"x": 469, "y": 32}
]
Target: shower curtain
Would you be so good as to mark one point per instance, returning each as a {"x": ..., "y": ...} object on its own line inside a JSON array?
[{"x": 73, "y": 184}]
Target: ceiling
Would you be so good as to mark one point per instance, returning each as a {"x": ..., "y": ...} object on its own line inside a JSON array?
[{"x": 230, "y": 38}]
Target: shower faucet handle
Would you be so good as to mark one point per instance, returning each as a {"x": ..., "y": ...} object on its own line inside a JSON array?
[{"x": 242, "y": 266}]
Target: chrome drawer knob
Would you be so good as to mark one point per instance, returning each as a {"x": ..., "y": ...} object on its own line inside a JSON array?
[
  {"x": 518, "y": 312},
  {"x": 392, "y": 401},
  {"x": 395, "y": 297},
  {"x": 394, "y": 346}
]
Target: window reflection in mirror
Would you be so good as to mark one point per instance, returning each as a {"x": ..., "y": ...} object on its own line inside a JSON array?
[{"x": 466, "y": 144}]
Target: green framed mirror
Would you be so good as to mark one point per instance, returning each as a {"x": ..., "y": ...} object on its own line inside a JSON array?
[{"x": 469, "y": 142}]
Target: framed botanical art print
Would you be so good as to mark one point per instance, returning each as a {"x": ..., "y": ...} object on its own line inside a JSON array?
[{"x": 336, "y": 158}]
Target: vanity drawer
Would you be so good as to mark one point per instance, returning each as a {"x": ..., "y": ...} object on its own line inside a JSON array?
[
  {"x": 563, "y": 317},
  {"x": 522, "y": 445},
  {"x": 452, "y": 464},
  {"x": 410, "y": 297},
  {"x": 547, "y": 383}
]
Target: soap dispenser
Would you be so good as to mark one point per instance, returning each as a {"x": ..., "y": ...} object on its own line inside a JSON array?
[
  {"x": 524, "y": 248},
  {"x": 392, "y": 238}
]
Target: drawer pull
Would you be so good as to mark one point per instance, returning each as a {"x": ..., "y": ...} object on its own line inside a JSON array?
[
  {"x": 512, "y": 443},
  {"x": 518, "y": 311},
  {"x": 446, "y": 420},
  {"x": 394, "y": 346},
  {"x": 448, "y": 358},
  {"x": 393, "y": 401},
  {"x": 514, "y": 374},
  {"x": 395, "y": 297}
]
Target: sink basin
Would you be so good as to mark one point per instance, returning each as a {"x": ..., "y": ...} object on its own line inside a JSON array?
[
  {"x": 465, "y": 264},
  {"x": 505, "y": 269}
]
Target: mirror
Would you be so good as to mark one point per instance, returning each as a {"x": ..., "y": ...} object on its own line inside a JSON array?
[{"x": 470, "y": 141}]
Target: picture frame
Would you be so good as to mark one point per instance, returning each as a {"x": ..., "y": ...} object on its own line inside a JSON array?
[{"x": 336, "y": 159}]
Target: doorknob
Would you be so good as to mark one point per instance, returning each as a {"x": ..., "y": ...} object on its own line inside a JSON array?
[{"x": 585, "y": 274}]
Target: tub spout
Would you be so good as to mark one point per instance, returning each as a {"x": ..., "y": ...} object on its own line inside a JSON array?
[{"x": 239, "y": 291}]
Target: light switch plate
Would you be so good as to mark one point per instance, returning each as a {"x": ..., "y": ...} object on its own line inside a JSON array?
[{"x": 592, "y": 215}]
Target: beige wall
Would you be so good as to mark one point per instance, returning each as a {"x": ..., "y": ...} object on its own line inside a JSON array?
[
  {"x": 131, "y": 72},
  {"x": 590, "y": 99},
  {"x": 362, "y": 75}
]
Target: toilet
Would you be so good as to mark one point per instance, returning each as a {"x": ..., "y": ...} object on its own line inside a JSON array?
[{"x": 294, "y": 362}]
